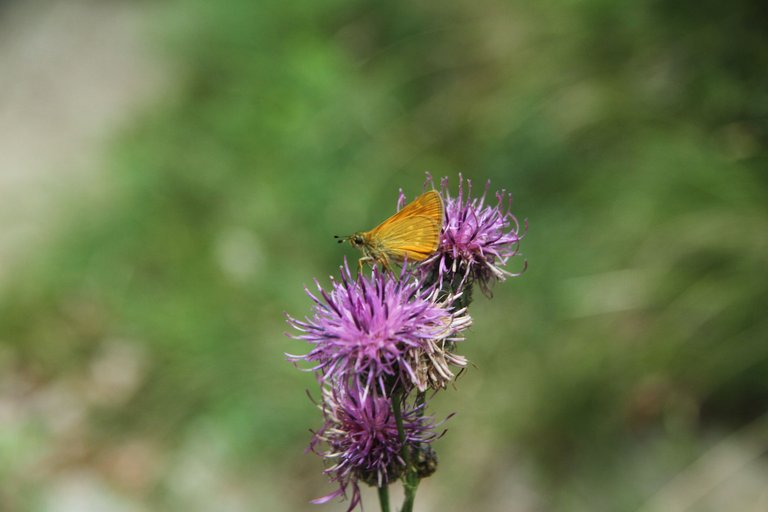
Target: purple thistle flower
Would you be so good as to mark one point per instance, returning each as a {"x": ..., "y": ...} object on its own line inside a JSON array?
[
  {"x": 477, "y": 239},
  {"x": 360, "y": 441},
  {"x": 364, "y": 326}
]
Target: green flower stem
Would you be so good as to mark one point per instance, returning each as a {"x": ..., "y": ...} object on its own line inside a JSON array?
[
  {"x": 384, "y": 498},
  {"x": 410, "y": 484},
  {"x": 410, "y": 475},
  {"x": 421, "y": 397}
]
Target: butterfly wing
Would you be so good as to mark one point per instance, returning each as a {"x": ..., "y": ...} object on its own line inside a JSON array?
[{"x": 414, "y": 231}]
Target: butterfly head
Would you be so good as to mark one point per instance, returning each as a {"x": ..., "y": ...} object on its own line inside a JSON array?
[{"x": 356, "y": 240}]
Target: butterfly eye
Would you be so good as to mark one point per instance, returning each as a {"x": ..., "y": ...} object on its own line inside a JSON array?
[{"x": 358, "y": 240}]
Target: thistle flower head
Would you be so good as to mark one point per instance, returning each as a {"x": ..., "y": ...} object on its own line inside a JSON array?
[
  {"x": 477, "y": 240},
  {"x": 363, "y": 327},
  {"x": 360, "y": 441}
]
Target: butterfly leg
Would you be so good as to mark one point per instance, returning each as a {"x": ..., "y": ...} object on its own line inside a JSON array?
[
  {"x": 384, "y": 260},
  {"x": 360, "y": 263}
]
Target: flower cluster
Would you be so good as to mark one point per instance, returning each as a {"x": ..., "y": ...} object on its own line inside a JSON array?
[{"x": 378, "y": 341}]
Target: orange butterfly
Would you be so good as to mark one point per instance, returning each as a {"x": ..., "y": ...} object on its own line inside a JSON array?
[{"x": 412, "y": 233}]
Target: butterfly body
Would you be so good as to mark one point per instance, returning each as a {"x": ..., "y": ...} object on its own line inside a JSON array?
[{"x": 413, "y": 233}]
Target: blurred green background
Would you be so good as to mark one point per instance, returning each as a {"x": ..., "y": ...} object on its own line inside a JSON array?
[{"x": 142, "y": 340}]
